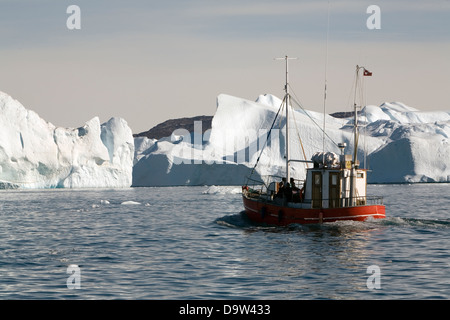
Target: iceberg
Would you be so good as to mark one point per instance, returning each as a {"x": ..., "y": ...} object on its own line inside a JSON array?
[
  {"x": 398, "y": 144},
  {"x": 36, "y": 154}
]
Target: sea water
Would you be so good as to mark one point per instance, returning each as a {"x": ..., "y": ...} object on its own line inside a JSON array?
[{"x": 195, "y": 243}]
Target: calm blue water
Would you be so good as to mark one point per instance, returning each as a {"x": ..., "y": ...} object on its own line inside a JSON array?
[{"x": 193, "y": 243}]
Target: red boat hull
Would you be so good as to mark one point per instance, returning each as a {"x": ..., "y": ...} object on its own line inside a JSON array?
[{"x": 272, "y": 214}]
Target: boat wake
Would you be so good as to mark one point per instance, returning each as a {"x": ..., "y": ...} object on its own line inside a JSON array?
[
  {"x": 240, "y": 221},
  {"x": 237, "y": 221},
  {"x": 413, "y": 222}
]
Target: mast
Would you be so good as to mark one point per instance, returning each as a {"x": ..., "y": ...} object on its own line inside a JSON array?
[
  {"x": 355, "y": 138},
  {"x": 325, "y": 87},
  {"x": 286, "y": 89},
  {"x": 286, "y": 99},
  {"x": 356, "y": 134}
]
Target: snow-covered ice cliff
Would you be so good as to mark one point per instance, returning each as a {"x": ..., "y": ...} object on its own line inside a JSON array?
[
  {"x": 400, "y": 144},
  {"x": 36, "y": 154}
]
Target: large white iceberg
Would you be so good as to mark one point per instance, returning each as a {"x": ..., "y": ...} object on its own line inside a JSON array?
[
  {"x": 36, "y": 154},
  {"x": 398, "y": 144}
]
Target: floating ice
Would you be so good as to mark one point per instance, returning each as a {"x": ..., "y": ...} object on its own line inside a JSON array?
[
  {"x": 130, "y": 203},
  {"x": 222, "y": 190}
]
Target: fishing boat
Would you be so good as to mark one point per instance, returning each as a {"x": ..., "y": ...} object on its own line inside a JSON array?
[{"x": 333, "y": 189}]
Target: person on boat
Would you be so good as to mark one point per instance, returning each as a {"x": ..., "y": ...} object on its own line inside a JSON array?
[
  {"x": 296, "y": 194},
  {"x": 281, "y": 186},
  {"x": 301, "y": 192},
  {"x": 292, "y": 182},
  {"x": 288, "y": 192}
]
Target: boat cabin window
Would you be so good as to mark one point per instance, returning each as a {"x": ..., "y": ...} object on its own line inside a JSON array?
[
  {"x": 334, "y": 179},
  {"x": 317, "y": 179}
]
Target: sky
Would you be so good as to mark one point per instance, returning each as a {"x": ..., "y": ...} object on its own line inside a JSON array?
[{"x": 148, "y": 61}]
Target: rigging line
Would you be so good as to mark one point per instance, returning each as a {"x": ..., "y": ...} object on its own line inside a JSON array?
[
  {"x": 353, "y": 92},
  {"x": 363, "y": 104},
  {"x": 355, "y": 126},
  {"x": 364, "y": 115},
  {"x": 268, "y": 136},
  {"x": 309, "y": 116},
  {"x": 300, "y": 139},
  {"x": 279, "y": 122}
]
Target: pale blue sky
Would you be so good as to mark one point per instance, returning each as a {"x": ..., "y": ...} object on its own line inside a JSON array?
[{"x": 148, "y": 61}]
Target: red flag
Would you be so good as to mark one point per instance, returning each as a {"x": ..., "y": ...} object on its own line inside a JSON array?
[{"x": 367, "y": 73}]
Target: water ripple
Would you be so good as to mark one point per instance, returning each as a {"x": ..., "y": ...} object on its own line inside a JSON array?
[{"x": 195, "y": 243}]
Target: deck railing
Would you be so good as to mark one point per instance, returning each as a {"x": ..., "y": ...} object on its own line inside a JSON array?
[
  {"x": 268, "y": 183},
  {"x": 265, "y": 189},
  {"x": 263, "y": 195}
]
